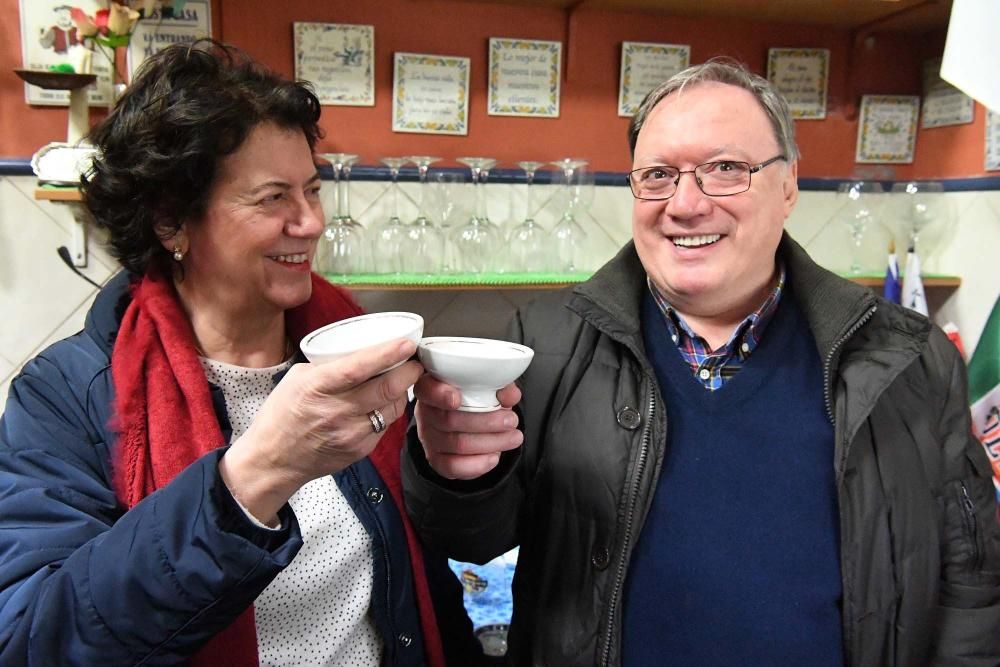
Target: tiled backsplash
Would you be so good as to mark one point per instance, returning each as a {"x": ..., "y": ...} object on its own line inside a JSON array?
[{"x": 43, "y": 301}]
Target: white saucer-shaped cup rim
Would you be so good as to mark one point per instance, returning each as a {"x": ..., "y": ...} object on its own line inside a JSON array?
[
  {"x": 478, "y": 367},
  {"x": 344, "y": 337},
  {"x": 477, "y": 348}
]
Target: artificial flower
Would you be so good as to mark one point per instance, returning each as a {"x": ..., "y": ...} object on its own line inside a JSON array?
[
  {"x": 85, "y": 25},
  {"x": 110, "y": 27},
  {"x": 121, "y": 19}
]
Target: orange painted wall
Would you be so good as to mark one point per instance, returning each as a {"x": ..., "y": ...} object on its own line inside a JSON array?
[{"x": 589, "y": 126}]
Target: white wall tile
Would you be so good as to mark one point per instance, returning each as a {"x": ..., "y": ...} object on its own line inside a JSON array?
[
  {"x": 970, "y": 255},
  {"x": 812, "y": 212},
  {"x": 37, "y": 290},
  {"x": 100, "y": 264}
]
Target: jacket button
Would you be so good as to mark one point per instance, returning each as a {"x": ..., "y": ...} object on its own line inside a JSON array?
[
  {"x": 601, "y": 558},
  {"x": 405, "y": 639},
  {"x": 629, "y": 418},
  {"x": 375, "y": 495}
]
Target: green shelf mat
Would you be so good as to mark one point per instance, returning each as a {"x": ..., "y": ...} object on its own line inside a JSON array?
[{"x": 456, "y": 279}]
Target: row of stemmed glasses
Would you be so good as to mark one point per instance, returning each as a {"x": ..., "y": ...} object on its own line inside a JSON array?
[
  {"x": 411, "y": 248},
  {"x": 477, "y": 246},
  {"x": 914, "y": 214},
  {"x": 530, "y": 247}
]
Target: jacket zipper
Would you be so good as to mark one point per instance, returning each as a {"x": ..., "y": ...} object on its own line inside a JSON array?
[
  {"x": 827, "y": 365},
  {"x": 391, "y": 640},
  {"x": 629, "y": 518},
  {"x": 969, "y": 516},
  {"x": 828, "y": 401}
]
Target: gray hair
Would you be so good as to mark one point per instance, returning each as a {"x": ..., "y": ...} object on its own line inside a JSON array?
[{"x": 730, "y": 72}]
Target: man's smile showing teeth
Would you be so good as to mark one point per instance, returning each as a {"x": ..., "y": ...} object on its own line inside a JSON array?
[
  {"x": 291, "y": 259},
  {"x": 695, "y": 241}
]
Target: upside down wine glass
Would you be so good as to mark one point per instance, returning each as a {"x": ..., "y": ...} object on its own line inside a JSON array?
[
  {"x": 477, "y": 241},
  {"x": 344, "y": 185},
  {"x": 389, "y": 234},
  {"x": 448, "y": 197},
  {"x": 568, "y": 236},
  {"x": 527, "y": 243},
  {"x": 342, "y": 245},
  {"x": 858, "y": 213},
  {"x": 920, "y": 208},
  {"x": 425, "y": 244}
]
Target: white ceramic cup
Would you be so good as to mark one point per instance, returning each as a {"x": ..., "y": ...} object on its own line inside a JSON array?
[
  {"x": 356, "y": 333},
  {"x": 478, "y": 367}
]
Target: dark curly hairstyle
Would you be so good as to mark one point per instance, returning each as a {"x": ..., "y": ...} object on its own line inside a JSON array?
[{"x": 188, "y": 106}]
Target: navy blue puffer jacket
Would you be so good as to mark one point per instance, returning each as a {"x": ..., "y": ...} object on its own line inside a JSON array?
[{"x": 82, "y": 582}]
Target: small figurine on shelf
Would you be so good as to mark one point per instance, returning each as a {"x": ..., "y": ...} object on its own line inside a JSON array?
[
  {"x": 61, "y": 36},
  {"x": 73, "y": 37}
]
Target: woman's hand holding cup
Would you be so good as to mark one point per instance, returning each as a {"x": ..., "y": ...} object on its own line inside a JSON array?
[{"x": 320, "y": 419}]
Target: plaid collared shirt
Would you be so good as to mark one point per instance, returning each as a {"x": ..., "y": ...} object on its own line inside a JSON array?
[{"x": 714, "y": 367}]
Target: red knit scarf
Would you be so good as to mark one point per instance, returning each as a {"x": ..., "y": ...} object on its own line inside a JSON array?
[{"x": 165, "y": 421}]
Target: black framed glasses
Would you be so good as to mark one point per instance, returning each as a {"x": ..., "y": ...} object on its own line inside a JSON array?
[{"x": 716, "y": 179}]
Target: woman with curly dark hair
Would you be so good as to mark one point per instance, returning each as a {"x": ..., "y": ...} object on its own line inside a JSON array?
[{"x": 173, "y": 485}]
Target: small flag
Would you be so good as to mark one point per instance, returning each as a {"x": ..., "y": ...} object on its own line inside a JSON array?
[
  {"x": 984, "y": 390},
  {"x": 913, "y": 287},
  {"x": 950, "y": 330},
  {"x": 892, "y": 290}
]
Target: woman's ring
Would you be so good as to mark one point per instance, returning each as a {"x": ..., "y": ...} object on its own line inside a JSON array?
[{"x": 377, "y": 420}]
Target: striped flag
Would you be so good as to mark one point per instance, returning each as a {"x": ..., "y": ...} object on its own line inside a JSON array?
[
  {"x": 913, "y": 287},
  {"x": 892, "y": 291},
  {"x": 984, "y": 390}
]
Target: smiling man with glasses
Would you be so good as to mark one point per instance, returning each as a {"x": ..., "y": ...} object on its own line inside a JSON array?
[{"x": 721, "y": 454}]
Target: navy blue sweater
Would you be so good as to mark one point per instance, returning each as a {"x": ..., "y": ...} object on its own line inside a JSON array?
[{"x": 738, "y": 560}]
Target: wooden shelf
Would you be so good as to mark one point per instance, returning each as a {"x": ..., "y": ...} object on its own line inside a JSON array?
[
  {"x": 930, "y": 281},
  {"x": 52, "y": 193}
]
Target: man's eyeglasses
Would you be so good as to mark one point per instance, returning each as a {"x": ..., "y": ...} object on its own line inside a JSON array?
[{"x": 716, "y": 179}]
